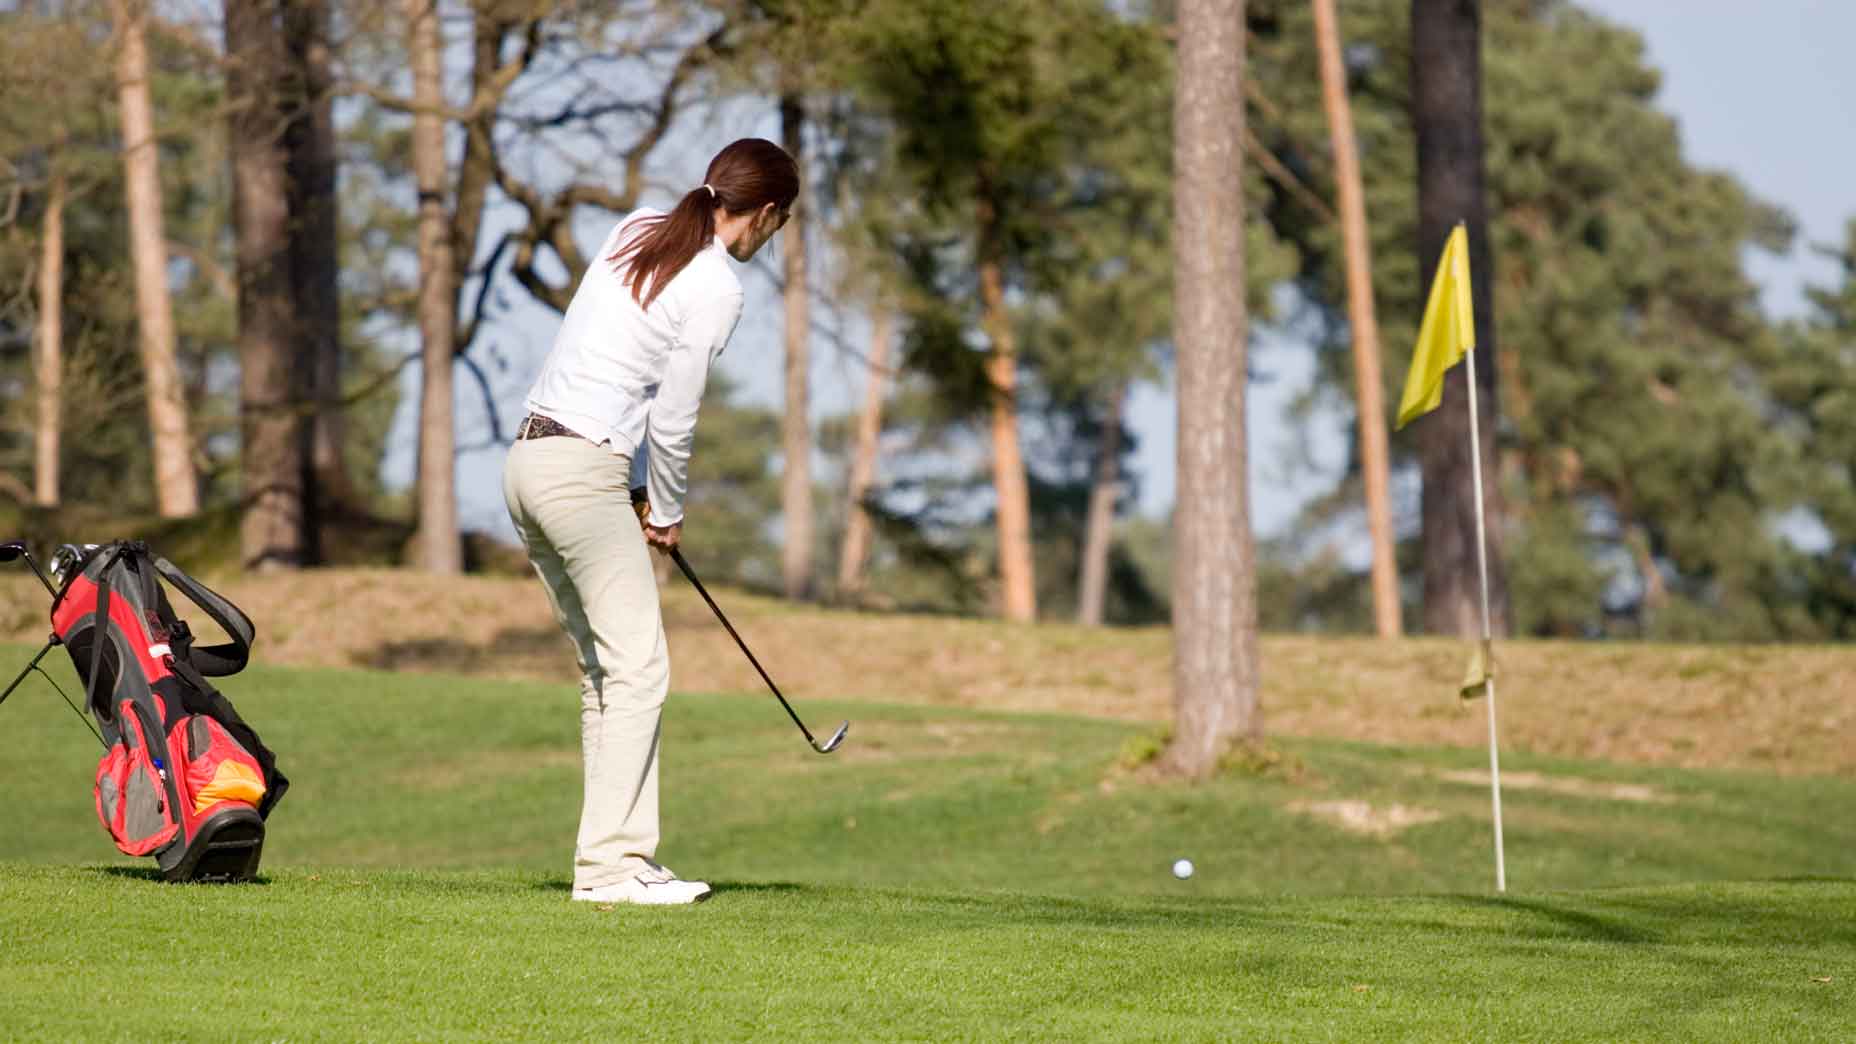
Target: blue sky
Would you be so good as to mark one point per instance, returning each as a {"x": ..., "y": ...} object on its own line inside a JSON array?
[{"x": 1762, "y": 90}]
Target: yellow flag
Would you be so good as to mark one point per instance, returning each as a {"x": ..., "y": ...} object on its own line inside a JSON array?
[
  {"x": 1478, "y": 671},
  {"x": 1448, "y": 330}
]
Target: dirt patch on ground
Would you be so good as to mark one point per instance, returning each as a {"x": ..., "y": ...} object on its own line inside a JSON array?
[
  {"x": 1361, "y": 817},
  {"x": 1788, "y": 709},
  {"x": 1571, "y": 785}
]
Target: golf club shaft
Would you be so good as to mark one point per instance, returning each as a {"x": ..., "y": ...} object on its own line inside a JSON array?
[
  {"x": 40, "y": 573},
  {"x": 676, "y": 555}
]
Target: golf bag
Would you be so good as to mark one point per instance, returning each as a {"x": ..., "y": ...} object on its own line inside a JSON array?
[{"x": 183, "y": 778}]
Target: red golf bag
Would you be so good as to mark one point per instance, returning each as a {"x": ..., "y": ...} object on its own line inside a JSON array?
[{"x": 183, "y": 778}]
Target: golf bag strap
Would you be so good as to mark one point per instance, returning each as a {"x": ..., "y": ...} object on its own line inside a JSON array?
[
  {"x": 214, "y": 661},
  {"x": 100, "y": 632}
]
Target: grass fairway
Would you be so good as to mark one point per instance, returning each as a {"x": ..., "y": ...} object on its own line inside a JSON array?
[
  {"x": 346, "y": 954},
  {"x": 948, "y": 875}
]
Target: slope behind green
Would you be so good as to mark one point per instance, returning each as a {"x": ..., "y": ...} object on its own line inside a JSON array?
[{"x": 418, "y": 771}]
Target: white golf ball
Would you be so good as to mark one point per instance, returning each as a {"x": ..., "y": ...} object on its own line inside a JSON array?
[{"x": 1182, "y": 869}]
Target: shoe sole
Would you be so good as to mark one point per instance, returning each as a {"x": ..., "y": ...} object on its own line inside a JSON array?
[{"x": 702, "y": 898}]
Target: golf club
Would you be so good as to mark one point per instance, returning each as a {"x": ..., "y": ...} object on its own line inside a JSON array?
[
  {"x": 17, "y": 549},
  {"x": 829, "y": 745}
]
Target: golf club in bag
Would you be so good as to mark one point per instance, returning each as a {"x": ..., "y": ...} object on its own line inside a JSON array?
[
  {"x": 642, "y": 507},
  {"x": 183, "y": 778}
]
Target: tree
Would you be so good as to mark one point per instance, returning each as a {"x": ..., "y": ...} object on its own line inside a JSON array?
[
  {"x": 176, "y": 486},
  {"x": 1001, "y": 86},
  {"x": 858, "y": 524},
  {"x": 48, "y": 349},
  {"x": 1092, "y": 578},
  {"x": 1446, "y": 100},
  {"x": 1215, "y": 658},
  {"x": 315, "y": 261},
  {"x": 439, "y": 549},
  {"x": 273, "y": 532},
  {"x": 795, "y": 422},
  {"x": 1633, "y": 360},
  {"x": 1362, "y": 323},
  {"x": 1814, "y": 399}
]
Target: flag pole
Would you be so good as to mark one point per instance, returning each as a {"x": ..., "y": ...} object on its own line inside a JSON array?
[{"x": 1488, "y": 660}]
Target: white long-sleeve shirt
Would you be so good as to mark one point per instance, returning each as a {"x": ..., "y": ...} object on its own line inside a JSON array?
[{"x": 632, "y": 378}]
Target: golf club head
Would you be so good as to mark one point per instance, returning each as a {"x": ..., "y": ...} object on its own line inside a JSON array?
[
  {"x": 836, "y": 738},
  {"x": 66, "y": 557},
  {"x": 12, "y": 550}
]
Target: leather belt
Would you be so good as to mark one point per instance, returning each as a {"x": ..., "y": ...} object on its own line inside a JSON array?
[{"x": 535, "y": 426}]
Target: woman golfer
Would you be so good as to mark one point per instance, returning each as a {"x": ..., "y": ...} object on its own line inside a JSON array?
[{"x": 621, "y": 387}]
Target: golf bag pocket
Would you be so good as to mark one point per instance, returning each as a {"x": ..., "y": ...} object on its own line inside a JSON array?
[
  {"x": 217, "y": 768},
  {"x": 131, "y": 793}
]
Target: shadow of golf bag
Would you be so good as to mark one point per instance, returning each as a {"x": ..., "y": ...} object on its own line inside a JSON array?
[{"x": 183, "y": 778}]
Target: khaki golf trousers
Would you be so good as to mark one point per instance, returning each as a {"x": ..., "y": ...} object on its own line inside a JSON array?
[{"x": 571, "y": 503}]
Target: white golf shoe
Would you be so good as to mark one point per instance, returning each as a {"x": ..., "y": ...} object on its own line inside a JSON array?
[{"x": 655, "y": 886}]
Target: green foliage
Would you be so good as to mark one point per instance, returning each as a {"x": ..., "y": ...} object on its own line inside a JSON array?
[
  {"x": 67, "y": 115},
  {"x": 1814, "y": 385},
  {"x": 64, "y": 117},
  {"x": 1636, "y": 368},
  {"x": 733, "y": 494}
]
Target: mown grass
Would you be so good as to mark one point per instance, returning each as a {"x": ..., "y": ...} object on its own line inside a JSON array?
[
  {"x": 948, "y": 875},
  {"x": 348, "y": 954},
  {"x": 412, "y": 770}
]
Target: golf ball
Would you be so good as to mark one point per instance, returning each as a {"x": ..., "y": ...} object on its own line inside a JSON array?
[{"x": 1182, "y": 869}]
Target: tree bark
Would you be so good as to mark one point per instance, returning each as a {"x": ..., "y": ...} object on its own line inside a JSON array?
[
  {"x": 315, "y": 262},
  {"x": 271, "y": 421},
  {"x": 1215, "y": 659},
  {"x": 1092, "y": 581},
  {"x": 438, "y": 546},
  {"x": 1369, "y": 387},
  {"x": 1446, "y": 75},
  {"x": 177, "y": 491},
  {"x": 48, "y": 357},
  {"x": 795, "y": 424},
  {"x": 1017, "y": 575},
  {"x": 858, "y": 528}
]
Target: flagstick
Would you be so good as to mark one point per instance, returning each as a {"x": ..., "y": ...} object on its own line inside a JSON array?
[{"x": 1488, "y": 661}]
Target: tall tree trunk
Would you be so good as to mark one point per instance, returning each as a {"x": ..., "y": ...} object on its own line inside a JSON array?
[
  {"x": 1446, "y": 79},
  {"x": 857, "y": 524},
  {"x": 1017, "y": 575},
  {"x": 1369, "y": 388},
  {"x": 177, "y": 492},
  {"x": 1215, "y": 658},
  {"x": 48, "y": 356},
  {"x": 1099, "y": 523},
  {"x": 439, "y": 549},
  {"x": 272, "y": 532},
  {"x": 315, "y": 262},
  {"x": 795, "y": 425}
]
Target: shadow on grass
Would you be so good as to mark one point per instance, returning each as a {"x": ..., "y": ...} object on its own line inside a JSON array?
[
  {"x": 526, "y": 646},
  {"x": 758, "y": 887},
  {"x": 145, "y": 873},
  {"x": 720, "y": 887},
  {"x": 1578, "y": 923}
]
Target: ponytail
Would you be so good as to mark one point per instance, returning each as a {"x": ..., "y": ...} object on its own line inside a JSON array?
[
  {"x": 745, "y": 176},
  {"x": 662, "y": 246}
]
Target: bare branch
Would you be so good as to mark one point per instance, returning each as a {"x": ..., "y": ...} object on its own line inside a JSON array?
[
  {"x": 1281, "y": 175},
  {"x": 481, "y": 305},
  {"x": 215, "y": 273},
  {"x": 489, "y": 397}
]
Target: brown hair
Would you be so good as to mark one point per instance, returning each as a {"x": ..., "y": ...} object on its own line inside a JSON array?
[{"x": 745, "y": 176}]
